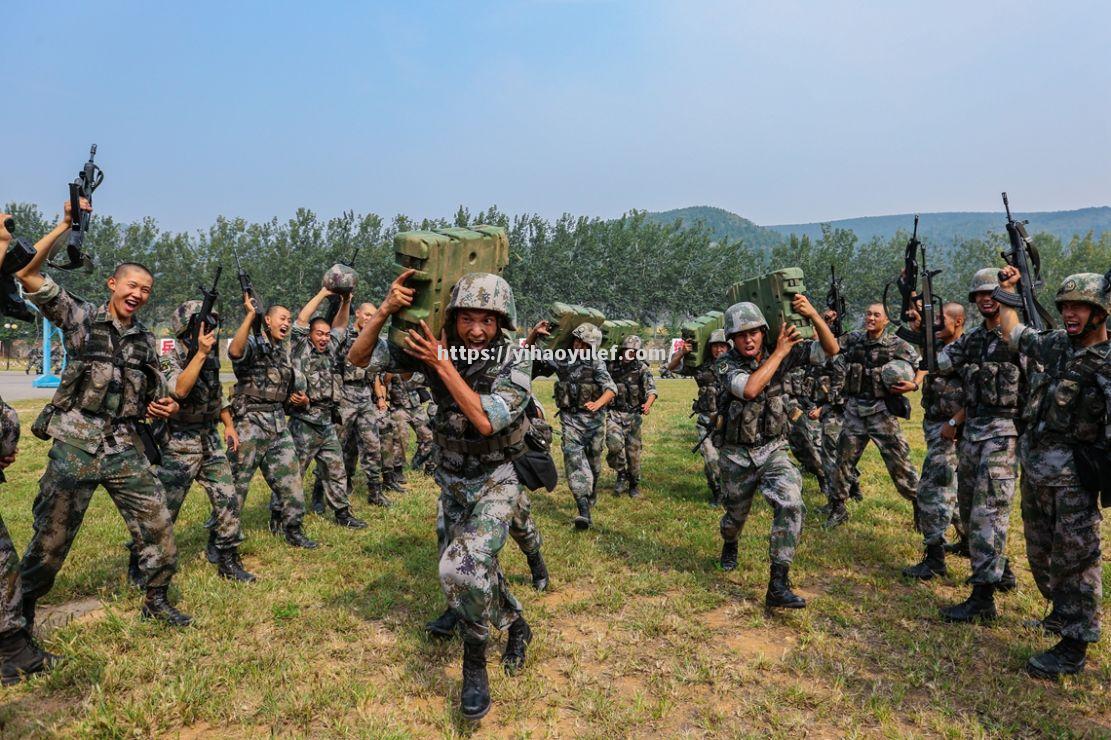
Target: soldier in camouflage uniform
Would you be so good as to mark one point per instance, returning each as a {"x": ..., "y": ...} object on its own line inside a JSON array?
[
  {"x": 583, "y": 388},
  {"x": 315, "y": 348},
  {"x": 1064, "y": 453},
  {"x": 407, "y": 410},
  {"x": 192, "y": 449},
  {"x": 804, "y": 432},
  {"x": 480, "y": 428},
  {"x": 994, "y": 381},
  {"x": 704, "y": 407},
  {"x": 867, "y": 413},
  {"x": 266, "y": 380},
  {"x": 113, "y": 381},
  {"x": 753, "y": 435},
  {"x": 636, "y": 392},
  {"x": 943, "y": 416}
]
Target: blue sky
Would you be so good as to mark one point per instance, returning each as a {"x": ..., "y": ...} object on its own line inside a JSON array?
[{"x": 781, "y": 111}]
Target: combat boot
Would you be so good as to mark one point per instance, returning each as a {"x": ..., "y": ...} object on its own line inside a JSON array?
[
  {"x": 780, "y": 595},
  {"x": 622, "y": 484},
  {"x": 344, "y": 518},
  {"x": 443, "y": 626},
  {"x": 1051, "y": 624},
  {"x": 729, "y": 555},
  {"x": 430, "y": 468},
  {"x": 980, "y": 606},
  {"x": 156, "y": 606},
  {"x": 539, "y": 570},
  {"x": 1007, "y": 581},
  {"x": 134, "y": 574},
  {"x": 1063, "y": 659},
  {"x": 634, "y": 487},
  {"x": 516, "y": 642},
  {"x": 211, "y": 552},
  {"x": 399, "y": 475},
  {"x": 318, "y": 497},
  {"x": 838, "y": 515},
  {"x": 21, "y": 657},
  {"x": 474, "y": 699},
  {"x": 276, "y": 526},
  {"x": 582, "y": 521},
  {"x": 229, "y": 566},
  {"x": 375, "y": 496},
  {"x": 933, "y": 564},
  {"x": 296, "y": 537},
  {"x": 390, "y": 478},
  {"x": 958, "y": 548}
]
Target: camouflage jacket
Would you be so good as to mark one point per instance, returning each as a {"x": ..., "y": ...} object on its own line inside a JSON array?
[
  {"x": 356, "y": 383},
  {"x": 994, "y": 380},
  {"x": 578, "y": 380},
  {"x": 202, "y": 405},
  {"x": 634, "y": 383},
  {"x": 319, "y": 370},
  {"x": 9, "y": 432},
  {"x": 863, "y": 359},
  {"x": 706, "y": 379}
]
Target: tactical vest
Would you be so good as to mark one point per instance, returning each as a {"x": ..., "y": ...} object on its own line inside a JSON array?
[
  {"x": 401, "y": 393},
  {"x": 202, "y": 405},
  {"x": 265, "y": 384},
  {"x": 321, "y": 366},
  {"x": 829, "y": 385},
  {"x": 578, "y": 388},
  {"x": 453, "y": 432},
  {"x": 706, "y": 401},
  {"x": 864, "y": 361},
  {"x": 1070, "y": 405},
  {"x": 352, "y": 374},
  {"x": 89, "y": 382},
  {"x": 992, "y": 377},
  {"x": 759, "y": 421},
  {"x": 942, "y": 397},
  {"x": 627, "y": 377}
]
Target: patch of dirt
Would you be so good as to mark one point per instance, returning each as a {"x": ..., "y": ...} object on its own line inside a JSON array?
[
  {"x": 749, "y": 642},
  {"x": 57, "y": 615}
]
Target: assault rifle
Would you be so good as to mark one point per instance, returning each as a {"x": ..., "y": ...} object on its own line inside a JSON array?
[
  {"x": 204, "y": 319},
  {"x": 1024, "y": 257},
  {"x": 924, "y": 302},
  {"x": 248, "y": 290},
  {"x": 835, "y": 301},
  {"x": 88, "y": 180}
]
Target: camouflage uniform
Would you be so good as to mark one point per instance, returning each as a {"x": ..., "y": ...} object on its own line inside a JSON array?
[
  {"x": 867, "y": 416},
  {"x": 360, "y": 419},
  {"x": 829, "y": 395},
  {"x": 407, "y": 411},
  {"x": 11, "y": 593},
  {"x": 634, "y": 384},
  {"x": 705, "y": 406},
  {"x": 112, "y": 376},
  {"x": 942, "y": 398},
  {"x": 804, "y": 435},
  {"x": 265, "y": 378}
]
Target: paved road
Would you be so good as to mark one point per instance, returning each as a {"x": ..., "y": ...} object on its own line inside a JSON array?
[{"x": 15, "y": 386}]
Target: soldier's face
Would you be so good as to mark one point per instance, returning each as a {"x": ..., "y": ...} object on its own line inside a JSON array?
[
  {"x": 363, "y": 314},
  {"x": 1075, "y": 316},
  {"x": 130, "y": 291},
  {"x": 476, "y": 328},
  {"x": 875, "y": 319},
  {"x": 749, "y": 342},
  {"x": 717, "y": 349},
  {"x": 278, "y": 322},
  {"x": 985, "y": 303},
  {"x": 320, "y": 334}
]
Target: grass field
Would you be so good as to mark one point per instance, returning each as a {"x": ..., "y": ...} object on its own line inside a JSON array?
[{"x": 641, "y": 633}]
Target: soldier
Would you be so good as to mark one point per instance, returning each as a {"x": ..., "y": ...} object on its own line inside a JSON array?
[
  {"x": 315, "y": 348},
  {"x": 705, "y": 407},
  {"x": 1066, "y": 415},
  {"x": 265, "y": 381},
  {"x": 868, "y": 415},
  {"x": 407, "y": 410},
  {"x": 390, "y": 434},
  {"x": 192, "y": 449},
  {"x": 113, "y": 382},
  {"x": 583, "y": 388},
  {"x": 829, "y": 412},
  {"x": 804, "y": 432},
  {"x": 994, "y": 381},
  {"x": 943, "y": 407},
  {"x": 636, "y": 392},
  {"x": 480, "y": 429},
  {"x": 753, "y": 435}
]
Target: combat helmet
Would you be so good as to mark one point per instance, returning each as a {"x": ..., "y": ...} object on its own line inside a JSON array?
[
  {"x": 485, "y": 291},
  {"x": 179, "y": 319},
  {"x": 340, "y": 279},
  {"x": 742, "y": 317},
  {"x": 1084, "y": 287},
  {"x": 985, "y": 280},
  {"x": 633, "y": 342},
  {"x": 588, "y": 333},
  {"x": 896, "y": 371},
  {"x": 717, "y": 336}
]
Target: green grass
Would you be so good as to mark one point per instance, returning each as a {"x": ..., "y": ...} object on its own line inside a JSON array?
[{"x": 641, "y": 633}]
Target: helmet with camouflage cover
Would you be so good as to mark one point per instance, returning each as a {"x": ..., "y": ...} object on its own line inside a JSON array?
[
  {"x": 9, "y": 430},
  {"x": 985, "y": 280},
  {"x": 742, "y": 317},
  {"x": 340, "y": 279},
  {"x": 633, "y": 342},
  {"x": 485, "y": 291},
  {"x": 717, "y": 336},
  {"x": 588, "y": 333},
  {"x": 1084, "y": 287},
  {"x": 179, "y": 319},
  {"x": 896, "y": 371}
]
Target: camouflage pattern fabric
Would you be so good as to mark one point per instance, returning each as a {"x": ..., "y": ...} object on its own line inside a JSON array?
[
  {"x": 711, "y": 466},
  {"x": 986, "y": 479},
  {"x": 623, "y": 442},
  {"x": 522, "y": 527},
  {"x": 937, "y": 487},
  {"x": 804, "y": 435},
  {"x": 65, "y": 489},
  {"x": 198, "y": 455},
  {"x": 743, "y": 471},
  {"x": 883, "y": 429},
  {"x": 832, "y": 422},
  {"x": 403, "y": 419},
  {"x": 392, "y": 455},
  {"x": 319, "y": 443},
  {"x": 11, "y": 592},
  {"x": 582, "y": 442},
  {"x": 265, "y": 444}
]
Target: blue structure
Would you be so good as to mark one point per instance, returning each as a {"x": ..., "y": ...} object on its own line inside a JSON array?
[{"x": 48, "y": 379}]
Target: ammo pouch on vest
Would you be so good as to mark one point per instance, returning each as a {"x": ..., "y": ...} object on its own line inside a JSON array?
[
  {"x": 575, "y": 395},
  {"x": 854, "y": 379},
  {"x": 995, "y": 387},
  {"x": 486, "y": 445},
  {"x": 42, "y": 421},
  {"x": 755, "y": 422}
]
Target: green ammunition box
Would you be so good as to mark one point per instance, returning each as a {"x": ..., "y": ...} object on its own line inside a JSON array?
[
  {"x": 564, "y": 318},
  {"x": 615, "y": 331},
  {"x": 697, "y": 333},
  {"x": 772, "y": 294}
]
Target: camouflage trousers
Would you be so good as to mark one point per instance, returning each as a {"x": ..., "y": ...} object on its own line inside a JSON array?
[
  {"x": 417, "y": 419},
  {"x": 361, "y": 442},
  {"x": 1062, "y": 528},
  {"x": 937, "y": 486},
  {"x": 583, "y": 442},
  {"x": 832, "y": 422},
  {"x": 274, "y": 453},
  {"x": 198, "y": 455},
  {"x": 710, "y": 454},
  {"x": 779, "y": 481},
  {"x": 11, "y": 592},
  {"x": 65, "y": 490},
  {"x": 623, "y": 442},
  {"x": 883, "y": 429},
  {"x": 477, "y": 513},
  {"x": 320, "y": 444},
  {"x": 805, "y": 437},
  {"x": 986, "y": 476},
  {"x": 522, "y": 527},
  {"x": 393, "y": 456}
]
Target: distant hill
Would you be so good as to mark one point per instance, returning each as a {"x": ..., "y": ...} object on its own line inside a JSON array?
[{"x": 722, "y": 224}]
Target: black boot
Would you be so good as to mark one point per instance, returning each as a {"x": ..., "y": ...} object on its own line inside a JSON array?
[
  {"x": 539, "y": 570},
  {"x": 211, "y": 552},
  {"x": 621, "y": 485},
  {"x": 779, "y": 593},
  {"x": 474, "y": 699},
  {"x": 399, "y": 475},
  {"x": 958, "y": 548},
  {"x": 520, "y": 635},
  {"x": 838, "y": 515},
  {"x": 134, "y": 574},
  {"x": 979, "y": 606},
  {"x": 933, "y": 564},
  {"x": 728, "y": 555},
  {"x": 344, "y": 518},
  {"x": 156, "y": 606},
  {"x": 1063, "y": 659},
  {"x": 392, "y": 483},
  {"x": 1051, "y": 624},
  {"x": 276, "y": 527},
  {"x": 443, "y": 626},
  {"x": 318, "y": 497},
  {"x": 582, "y": 521},
  {"x": 634, "y": 487},
  {"x": 1007, "y": 581},
  {"x": 375, "y": 496},
  {"x": 229, "y": 566},
  {"x": 21, "y": 657},
  {"x": 296, "y": 537}
]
